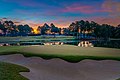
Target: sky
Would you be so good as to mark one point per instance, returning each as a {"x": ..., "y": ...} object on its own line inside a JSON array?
[{"x": 60, "y": 12}]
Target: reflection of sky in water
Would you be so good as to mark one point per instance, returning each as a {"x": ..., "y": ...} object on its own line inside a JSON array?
[{"x": 85, "y": 44}]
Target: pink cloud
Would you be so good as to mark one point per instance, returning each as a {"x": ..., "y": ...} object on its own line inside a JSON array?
[
  {"x": 112, "y": 6},
  {"x": 114, "y": 21},
  {"x": 82, "y": 9}
]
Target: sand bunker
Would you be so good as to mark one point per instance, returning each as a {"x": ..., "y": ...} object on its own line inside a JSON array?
[{"x": 57, "y": 69}]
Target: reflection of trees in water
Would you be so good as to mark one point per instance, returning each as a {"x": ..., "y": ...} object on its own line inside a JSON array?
[
  {"x": 4, "y": 44},
  {"x": 109, "y": 44},
  {"x": 53, "y": 43},
  {"x": 100, "y": 43},
  {"x": 85, "y": 44}
]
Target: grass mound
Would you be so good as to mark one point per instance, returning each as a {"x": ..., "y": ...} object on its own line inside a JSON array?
[{"x": 10, "y": 71}]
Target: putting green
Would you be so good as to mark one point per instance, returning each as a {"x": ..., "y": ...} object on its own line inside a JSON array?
[
  {"x": 71, "y": 50},
  {"x": 67, "y": 52}
]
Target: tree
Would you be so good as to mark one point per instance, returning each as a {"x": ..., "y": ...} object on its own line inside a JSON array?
[
  {"x": 117, "y": 32},
  {"x": 27, "y": 29},
  {"x": 2, "y": 29},
  {"x": 85, "y": 29},
  {"x": 72, "y": 28},
  {"x": 39, "y": 29},
  {"x": 44, "y": 28},
  {"x": 24, "y": 30},
  {"x": 54, "y": 29}
]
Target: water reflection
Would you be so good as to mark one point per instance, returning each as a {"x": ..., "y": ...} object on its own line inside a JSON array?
[
  {"x": 4, "y": 44},
  {"x": 90, "y": 43},
  {"x": 53, "y": 43},
  {"x": 85, "y": 44},
  {"x": 9, "y": 44},
  {"x": 108, "y": 44}
]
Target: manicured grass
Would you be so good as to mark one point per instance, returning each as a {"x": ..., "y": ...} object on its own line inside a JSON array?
[
  {"x": 10, "y": 49},
  {"x": 66, "y": 52},
  {"x": 10, "y": 71}
]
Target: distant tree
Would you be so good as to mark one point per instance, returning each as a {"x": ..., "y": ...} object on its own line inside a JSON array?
[
  {"x": 72, "y": 28},
  {"x": 86, "y": 28},
  {"x": 39, "y": 30},
  {"x": 117, "y": 32},
  {"x": 21, "y": 30},
  {"x": 2, "y": 28},
  {"x": 24, "y": 30},
  {"x": 66, "y": 31},
  {"x": 27, "y": 29},
  {"x": 11, "y": 23},
  {"x": 44, "y": 28},
  {"x": 54, "y": 29},
  {"x": 13, "y": 31}
]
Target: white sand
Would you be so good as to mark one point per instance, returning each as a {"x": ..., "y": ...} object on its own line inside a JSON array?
[{"x": 57, "y": 69}]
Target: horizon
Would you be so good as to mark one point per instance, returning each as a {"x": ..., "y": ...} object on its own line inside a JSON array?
[{"x": 61, "y": 13}]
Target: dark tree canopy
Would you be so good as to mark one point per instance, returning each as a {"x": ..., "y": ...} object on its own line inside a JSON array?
[
  {"x": 80, "y": 29},
  {"x": 10, "y": 29},
  {"x": 86, "y": 28}
]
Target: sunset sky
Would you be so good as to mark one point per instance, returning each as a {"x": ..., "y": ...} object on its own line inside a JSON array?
[{"x": 60, "y": 12}]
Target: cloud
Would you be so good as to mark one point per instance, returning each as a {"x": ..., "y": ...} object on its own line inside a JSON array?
[
  {"x": 80, "y": 8},
  {"x": 31, "y": 23},
  {"x": 114, "y": 21},
  {"x": 112, "y": 6},
  {"x": 63, "y": 12}
]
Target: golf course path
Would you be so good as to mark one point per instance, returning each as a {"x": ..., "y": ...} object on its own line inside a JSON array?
[{"x": 57, "y": 69}]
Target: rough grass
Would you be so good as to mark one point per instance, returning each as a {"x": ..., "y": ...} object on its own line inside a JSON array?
[
  {"x": 10, "y": 71},
  {"x": 65, "y": 52}
]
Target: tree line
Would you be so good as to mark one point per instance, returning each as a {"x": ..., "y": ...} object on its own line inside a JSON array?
[
  {"x": 86, "y": 28},
  {"x": 80, "y": 29},
  {"x": 46, "y": 29},
  {"x": 8, "y": 28}
]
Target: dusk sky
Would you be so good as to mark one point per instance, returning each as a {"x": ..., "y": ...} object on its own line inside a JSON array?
[{"x": 60, "y": 12}]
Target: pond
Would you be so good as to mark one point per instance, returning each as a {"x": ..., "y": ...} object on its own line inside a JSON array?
[
  {"x": 97, "y": 43},
  {"x": 80, "y": 43}
]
